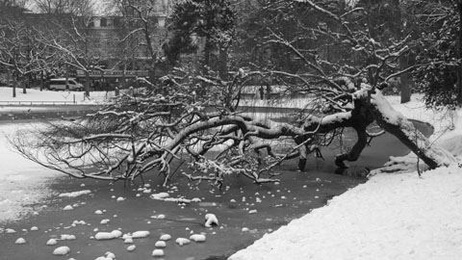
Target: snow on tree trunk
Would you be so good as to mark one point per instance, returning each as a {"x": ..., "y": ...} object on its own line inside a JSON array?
[{"x": 396, "y": 124}]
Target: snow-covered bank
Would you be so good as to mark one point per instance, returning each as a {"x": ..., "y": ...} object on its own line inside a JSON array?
[
  {"x": 22, "y": 182},
  {"x": 392, "y": 216}
]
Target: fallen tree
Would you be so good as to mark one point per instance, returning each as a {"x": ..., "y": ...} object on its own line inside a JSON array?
[{"x": 120, "y": 143}]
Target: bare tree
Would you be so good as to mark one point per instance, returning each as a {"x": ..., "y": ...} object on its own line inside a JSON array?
[
  {"x": 21, "y": 54},
  {"x": 59, "y": 7}
]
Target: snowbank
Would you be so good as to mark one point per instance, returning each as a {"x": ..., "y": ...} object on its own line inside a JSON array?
[{"x": 392, "y": 216}]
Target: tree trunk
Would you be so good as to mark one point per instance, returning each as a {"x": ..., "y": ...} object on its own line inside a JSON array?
[
  {"x": 396, "y": 124},
  {"x": 86, "y": 84},
  {"x": 405, "y": 84},
  {"x": 25, "y": 85},
  {"x": 459, "y": 55},
  {"x": 223, "y": 63},
  {"x": 42, "y": 82}
]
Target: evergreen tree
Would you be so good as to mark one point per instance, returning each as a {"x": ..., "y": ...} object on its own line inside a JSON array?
[{"x": 210, "y": 20}]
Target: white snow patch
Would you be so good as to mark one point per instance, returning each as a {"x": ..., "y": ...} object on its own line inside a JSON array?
[
  {"x": 131, "y": 248},
  {"x": 158, "y": 253},
  {"x": 108, "y": 235},
  {"x": 140, "y": 234},
  {"x": 10, "y": 231},
  {"x": 182, "y": 241},
  {"x": 20, "y": 241},
  {"x": 210, "y": 220},
  {"x": 67, "y": 237},
  {"x": 160, "y": 244},
  {"x": 197, "y": 238},
  {"x": 74, "y": 194},
  {"x": 51, "y": 242},
  {"x": 98, "y": 212},
  {"x": 62, "y": 250},
  {"x": 159, "y": 196},
  {"x": 68, "y": 207},
  {"x": 165, "y": 237}
]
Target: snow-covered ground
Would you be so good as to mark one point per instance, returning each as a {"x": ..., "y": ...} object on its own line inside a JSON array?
[
  {"x": 48, "y": 95},
  {"x": 392, "y": 216}
]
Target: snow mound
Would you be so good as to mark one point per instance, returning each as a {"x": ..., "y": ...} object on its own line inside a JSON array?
[
  {"x": 158, "y": 253},
  {"x": 68, "y": 207},
  {"x": 159, "y": 196},
  {"x": 51, "y": 242},
  {"x": 140, "y": 234},
  {"x": 108, "y": 235},
  {"x": 67, "y": 237},
  {"x": 131, "y": 248},
  {"x": 197, "y": 238},
  {"x": 62, "y": 250},
  {"x": 20, "y": 241},
  {"x": 10, "y": 231},
  {"x": 165, "y": 237},
  {"x": 210, "y": 220},
  {"x": 182, "y": 241},
  {"x": 160, "y": 244}
]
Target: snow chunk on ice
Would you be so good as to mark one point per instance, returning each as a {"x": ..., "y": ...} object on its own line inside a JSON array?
[
  {"x": 34, "y": 228},
  {"x": 165, "y": 237},
  {"x": 140, "y": 234},
  {"x": 160, "y": 244},
  {"x": 51, "y": 242},
  {"x": 68, "y": 207},
  {"x": 158, "y": 253},
  {"x": 10, "y": 231},
  {"x": 67, "y": 237},
  {"x": 159, "y": 196},
  {"x": 210, "y": 220},
  {"x": 160, "y": 216},
  {"x": 110, "y": 255},
  {"x": 108, "y": 235},
  {"x": 119, "y": 199},
  {"x": 182, "y": 241},
  {"x": 104, "y": 221},
  {"x": 131, "y": 248},
  {"x": 98, "y": 212},
  {"x": 20, "y": 241},
  {"x": 62, "y": 250},
  {"x": 74, "y": 194},
  {"x": 197, "y": 238}
]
